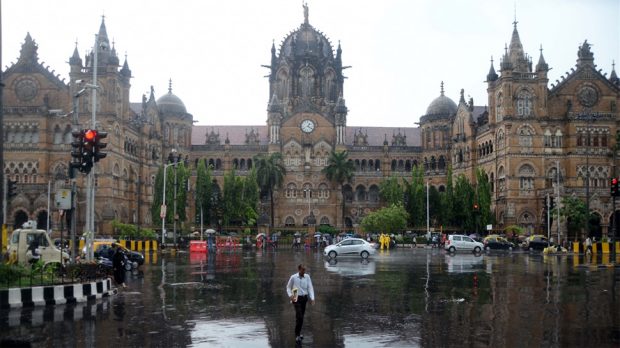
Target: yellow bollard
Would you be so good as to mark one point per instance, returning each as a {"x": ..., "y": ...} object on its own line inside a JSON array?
[
  {"x": 576, "y": 247},
  {"x": 594, "y": 248},
  {"x": 123, "y": 243},
  {"x": 81, "y": 246},
  {"x": 575, "y": 261},
  {"x": 133, "y": 244},
  {"x": 147, "y": 258},
  {"x": 140, "y": 245},
  {"x": 605, "y": 248},
  {"x": 147, "y": 245},
  {"x": 154, "y": 245},
  {"x": 605, "y": 260}
]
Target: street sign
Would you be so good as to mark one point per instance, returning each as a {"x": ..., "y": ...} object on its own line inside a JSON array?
[
  {"x": 489, "y": 227},
  {"x": 162, "y": 211},
  {"x": 62, "y": 199}
]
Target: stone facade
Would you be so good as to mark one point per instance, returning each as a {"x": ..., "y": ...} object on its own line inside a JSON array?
[{"x": 518, "y": 140}]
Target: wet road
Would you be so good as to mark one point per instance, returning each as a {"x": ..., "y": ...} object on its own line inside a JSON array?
[{"x": 401, "y": 298}]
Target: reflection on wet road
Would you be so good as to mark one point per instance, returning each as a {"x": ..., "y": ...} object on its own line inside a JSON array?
[{"x": 401, "y": 298}]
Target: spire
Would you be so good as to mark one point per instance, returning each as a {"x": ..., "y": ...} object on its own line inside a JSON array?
[
  {"x": 170, "y": 86},
  {"x": 542, "y": 65},
  {"x": 515, "y": 52},
  {"x": 441, "y": 92},
  {"x": 613, "y": 78},
  {"x": 339, "y": 51},
  {"x": 125, "y": 71},
  {"x": 462, "y": 98},
  {"x": 75, "y": 58},
  {"x": 492, "y": 75},
  {"x": 274, "y": 59},
  {"x": 103, "y": 33},
  {"x": 152, "y": 95}
]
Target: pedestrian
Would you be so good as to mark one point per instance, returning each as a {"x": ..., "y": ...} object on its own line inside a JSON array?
[
  {"x": 299, "y": 290},
  {"x": 588, "y": 245},
  {"x": 33, "y": 253},
  {"x": 118, "y": 265}
]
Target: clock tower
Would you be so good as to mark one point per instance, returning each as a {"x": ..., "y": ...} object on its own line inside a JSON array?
[{"x": 306, "y": 115}]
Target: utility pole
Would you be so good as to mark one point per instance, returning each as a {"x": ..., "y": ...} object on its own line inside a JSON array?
[{"x": 2, "y": 178}]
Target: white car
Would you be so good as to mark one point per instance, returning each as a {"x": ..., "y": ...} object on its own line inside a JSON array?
[
  {"x": 350, "y": 247},
  {"x": 457, "y": 242}
]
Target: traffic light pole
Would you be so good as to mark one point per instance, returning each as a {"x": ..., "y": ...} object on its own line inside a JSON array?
[{"x": 90, "y": 184}]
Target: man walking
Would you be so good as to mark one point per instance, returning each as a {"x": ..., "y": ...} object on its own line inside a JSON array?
[{"x": 299, "y": 290}]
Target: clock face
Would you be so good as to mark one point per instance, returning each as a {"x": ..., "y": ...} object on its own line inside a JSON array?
[{"x": 307, "y": 126}]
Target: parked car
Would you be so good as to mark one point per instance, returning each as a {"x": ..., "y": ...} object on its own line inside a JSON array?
[
  {"x": 536, "y": 242},
  {"x": 106, "y": 251},
  {"x": 458, "y": 242},
  {"x": 350, "y": 247},
  {"x": 25, "y": 239},
  {"x": 496, "y": 242}
]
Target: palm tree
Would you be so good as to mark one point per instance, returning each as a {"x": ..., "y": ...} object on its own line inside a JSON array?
[
  {"x": 339, "y": 170},
  {"x": 270, "y": 174}
]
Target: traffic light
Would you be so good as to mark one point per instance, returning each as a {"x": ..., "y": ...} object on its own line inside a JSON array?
[
  {"x": 11, "y": 189},
  {"x": 76, "y": 149},
  {"x": 614, "y": 187},
  {"x": 88, "y": 146},
  {"x": 98, "y": 154}
]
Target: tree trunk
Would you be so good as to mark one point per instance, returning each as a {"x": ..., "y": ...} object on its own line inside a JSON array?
[{"x": 271, "y": 204}]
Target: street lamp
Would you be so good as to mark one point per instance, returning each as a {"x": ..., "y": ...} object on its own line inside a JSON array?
[{"x": 428, "y": 219}]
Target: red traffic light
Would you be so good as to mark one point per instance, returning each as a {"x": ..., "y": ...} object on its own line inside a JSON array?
[
  {"x": 614, "y": 181},
  {"x": 90, "y": 135}
]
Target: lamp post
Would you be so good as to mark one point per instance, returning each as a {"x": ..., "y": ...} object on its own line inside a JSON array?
[
  {"x": 162, "y": 213},
  {"x": 428, "y": 219}
]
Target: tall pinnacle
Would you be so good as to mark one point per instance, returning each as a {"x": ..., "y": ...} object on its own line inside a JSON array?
[{"x": 305, "y": 6}]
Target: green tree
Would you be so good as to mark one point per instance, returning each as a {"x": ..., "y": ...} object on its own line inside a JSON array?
[
  {"x": 339, "y": 170},
  {"x": 388, "y": 220},
  {"x": 232, "y": 210},
  {"x": 391, "y": 191},
  {"x": 269, "y": 174},
  {"x": 446, "y": 217},
  {"x": 249, "y": 199},
  {"x": 573, "y": 211},
  {"x": 204, "y": 193},
  {"x": 434, "y": 204},
  {"x": 463, "y": 203},
  {"x": 483, "y": 199},
  {"x": 415, "y": 196},
  {"x": 182, "y": 182}
]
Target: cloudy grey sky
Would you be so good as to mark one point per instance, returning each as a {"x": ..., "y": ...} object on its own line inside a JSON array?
[{"x": 399, "y": 50}]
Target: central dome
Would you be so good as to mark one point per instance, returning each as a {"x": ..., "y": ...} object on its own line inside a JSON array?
[
  {"x": 306, "y": 41},
  {"x": 442, "y": 105},
  {"x": 171, "y": 104}
]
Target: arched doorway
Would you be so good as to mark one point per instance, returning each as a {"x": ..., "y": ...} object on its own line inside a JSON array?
[
  {"x": 611, "y": 223},
  {"x": 348, "y": 222},
  {"x": 20, "y": 218},
  {"x": 42, "y": 220},
  {"x": 596, "y": 230}
]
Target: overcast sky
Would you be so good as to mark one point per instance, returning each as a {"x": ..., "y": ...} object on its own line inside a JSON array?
[{"x": 399, "y": 50}]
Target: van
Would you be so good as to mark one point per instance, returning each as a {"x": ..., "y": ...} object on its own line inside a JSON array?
[{"x": 23, "y": 237}]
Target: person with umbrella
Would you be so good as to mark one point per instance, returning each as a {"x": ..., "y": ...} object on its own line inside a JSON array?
[{"x": 118, "y": 265}]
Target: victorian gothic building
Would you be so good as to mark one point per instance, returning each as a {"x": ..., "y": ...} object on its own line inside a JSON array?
[{"x": 531, "y": 138}]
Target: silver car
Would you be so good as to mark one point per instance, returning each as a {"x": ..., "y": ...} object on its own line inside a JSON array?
[
  {"x": 458, "y": 242},
  {"x": 350, "y": 247}
]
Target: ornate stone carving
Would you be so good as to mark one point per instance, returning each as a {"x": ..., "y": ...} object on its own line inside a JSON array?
[
  {"x": 26, "y": 89},
  {"x": 588, "y": 96}
]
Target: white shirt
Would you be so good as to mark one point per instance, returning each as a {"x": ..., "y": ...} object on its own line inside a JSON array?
[{"x": 303, "y": 285}]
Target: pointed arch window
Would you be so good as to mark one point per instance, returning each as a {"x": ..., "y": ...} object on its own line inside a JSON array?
[
  {"x": 498, "y": 108},
  {"x": 524, "y": 104}
]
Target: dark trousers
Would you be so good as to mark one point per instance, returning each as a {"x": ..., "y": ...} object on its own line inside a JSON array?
[{"x": 300, "y": 310}]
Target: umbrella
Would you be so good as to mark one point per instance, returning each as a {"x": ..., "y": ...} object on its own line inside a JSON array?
[
  {"x": 209, "y": 231},
  {"x": 260, "y": 235},
  {"x": 316, "y": 235},
  {"x": 297, "y": 234}
]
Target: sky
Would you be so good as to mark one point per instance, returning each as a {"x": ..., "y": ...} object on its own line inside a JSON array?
[{"x": 399, "y": 50}]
